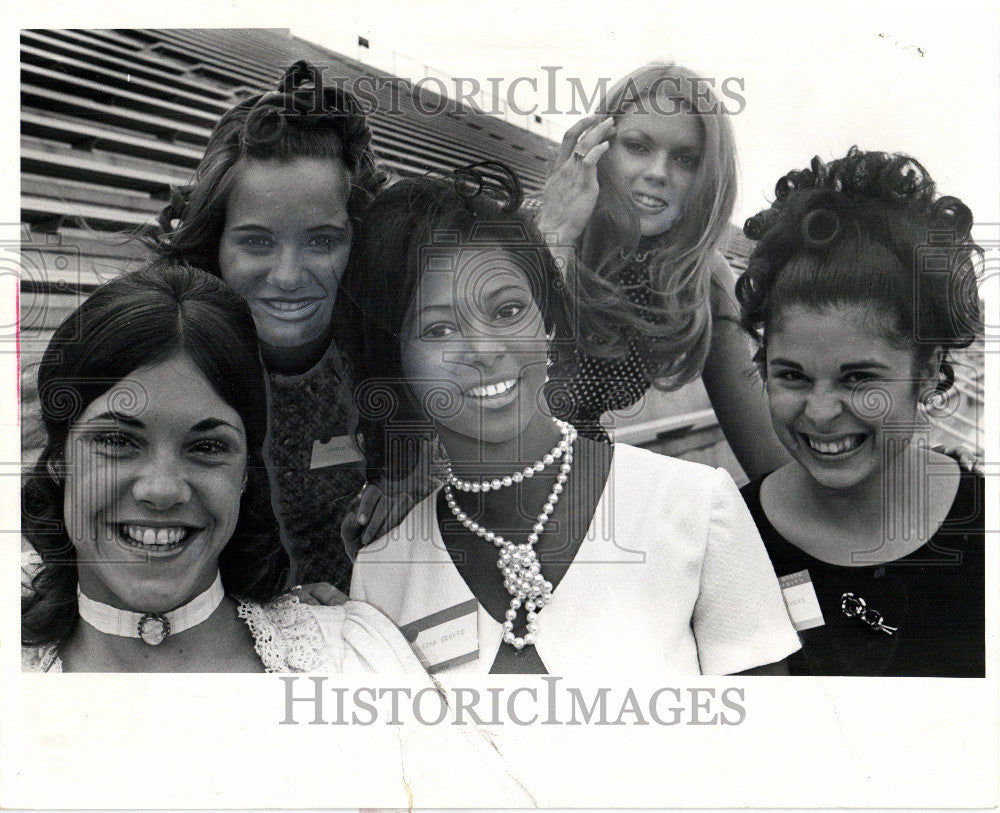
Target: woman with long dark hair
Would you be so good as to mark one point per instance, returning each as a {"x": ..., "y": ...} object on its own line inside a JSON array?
[{"x": 150, "y": 509}]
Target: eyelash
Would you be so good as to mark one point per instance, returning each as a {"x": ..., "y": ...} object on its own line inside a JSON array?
[
  {"x": 435, "y": 331},
  {"x": 217, "y": 447},
  {"x": 118, "y": 444},
  {"x": 113, "y": 443},
  {"x": 685, "y": 160},
  {"x": 851, "y": 380},
  {"x": 259, "y": 244}
]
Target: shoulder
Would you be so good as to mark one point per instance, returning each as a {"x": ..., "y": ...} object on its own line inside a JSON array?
[
  {"x": 352, "y": 637},
  {"x": 968, "y": 509},
  {"x": 407, "y": 538},
  {"x": 669, "y": 485},
  {"x": 646, "y": 463}
]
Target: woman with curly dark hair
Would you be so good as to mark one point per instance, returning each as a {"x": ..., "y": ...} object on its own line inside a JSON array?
[
  {"x": 150, "y": 508},
  {"x": 862, "y": 282},
  {"x": 272, "y": 210}
]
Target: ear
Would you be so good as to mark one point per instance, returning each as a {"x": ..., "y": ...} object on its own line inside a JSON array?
[{"x": 929, "y": 374}]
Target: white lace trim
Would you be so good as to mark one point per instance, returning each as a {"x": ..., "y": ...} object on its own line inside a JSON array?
[
  {"x": 286, "y": 635},
  {"x": 40, "y": 659}
]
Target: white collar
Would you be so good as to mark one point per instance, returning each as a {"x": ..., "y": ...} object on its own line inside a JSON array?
[{"x": 151, "y": 627}]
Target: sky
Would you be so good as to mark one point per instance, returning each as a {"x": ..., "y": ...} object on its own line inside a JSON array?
[{"x": 893, "y": 76}]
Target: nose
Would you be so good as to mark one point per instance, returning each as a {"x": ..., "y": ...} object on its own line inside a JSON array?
[
  {"x": 287, "y": 272},
  {"x": 161, "y": 483},
  {"x": 823, "y": 405},
  {"x": 657, "y": 169}
]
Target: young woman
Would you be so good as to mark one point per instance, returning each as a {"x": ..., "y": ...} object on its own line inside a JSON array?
[
  {"x": 544, "y": 550},
  {"x": 642, "y": 195},
  {"x": 861, "y": 283},
  {"x": 272, "y": 211},
  {"x": 150, "y": 509}
]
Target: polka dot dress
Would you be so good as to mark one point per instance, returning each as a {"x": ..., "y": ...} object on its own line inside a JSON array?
[{"x": 600, "y": 384}]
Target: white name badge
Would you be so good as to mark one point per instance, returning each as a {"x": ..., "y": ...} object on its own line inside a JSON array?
[
  {"x": 446, "y": 638},
  {"x": 800, "y": 599},
  {"x": 338, "y": 451}
]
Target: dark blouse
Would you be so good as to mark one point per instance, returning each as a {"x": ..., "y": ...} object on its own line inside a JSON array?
[
  {"x": 934, "y": 597},
  {"x": 317, "y": 470}
]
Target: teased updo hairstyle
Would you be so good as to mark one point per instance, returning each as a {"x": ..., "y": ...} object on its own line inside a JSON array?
[
  {"x": 674, "y": 331},
  {"x": 867, "y": 228},
  {"x": 301, "y": 119},
  {"x": 136, "y": 320},
  {"x": 474, "y": 207}
]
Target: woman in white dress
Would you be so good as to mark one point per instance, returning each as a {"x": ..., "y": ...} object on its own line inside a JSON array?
[{"x": 611, "y": 559}]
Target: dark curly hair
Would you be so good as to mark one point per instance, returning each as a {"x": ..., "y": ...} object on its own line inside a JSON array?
[
  {"x": 476, "y": 206},
  {"x": 866, "y": 228},
  {"x": 301, "y": 119},
  {"x": 139, "y": 319}
]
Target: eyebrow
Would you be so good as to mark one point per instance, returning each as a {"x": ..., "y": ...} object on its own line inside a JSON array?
[
  {"x": 205, "y": 425},
  {"x": 504, "y": 289},
  {"x": 325, "y": 227},
  {"x": 213, "y": 423},
  {"x": 865, "y": 364},
  {"x": 785, "y": 362},
  {"x": 117, "y": 417}
]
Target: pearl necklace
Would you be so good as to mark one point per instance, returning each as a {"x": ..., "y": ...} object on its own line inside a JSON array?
[
  {"x": 522, "y": 571},
  {"x": 539, "y": 466}
]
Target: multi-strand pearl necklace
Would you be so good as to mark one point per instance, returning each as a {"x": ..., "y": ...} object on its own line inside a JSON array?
[{"x": 522, "y": 571}]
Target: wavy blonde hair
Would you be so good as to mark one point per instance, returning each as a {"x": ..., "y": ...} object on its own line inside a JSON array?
[{"x": 673, "y": 332}]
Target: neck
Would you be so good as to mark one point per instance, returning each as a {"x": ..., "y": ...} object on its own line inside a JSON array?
[
  {"x": 475, "y": 459},
  {"x": 294, "y": 360},
  {"x": 217, "y": 640},
  {"x": 894, "y": 486}
]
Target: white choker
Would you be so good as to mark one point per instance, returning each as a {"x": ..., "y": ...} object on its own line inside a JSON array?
[{"x": 152, "y": 628}]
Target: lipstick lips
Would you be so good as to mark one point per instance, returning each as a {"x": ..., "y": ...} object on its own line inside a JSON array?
[
  {"x": 835, "y": 447},
  {"x": 290, "y": 310},
  {"x": 651, "y": 204},
  {"x": 154, "y": 539},
  {"x": 495, "y": 394}
]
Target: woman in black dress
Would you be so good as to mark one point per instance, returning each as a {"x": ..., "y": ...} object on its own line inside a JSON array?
[{"x": 861, "y": 283}]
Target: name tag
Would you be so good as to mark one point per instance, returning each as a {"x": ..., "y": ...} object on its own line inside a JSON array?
[
  {"x": 446, "y": 638},
  {"x": 338, "y": 451},
  {"x": 800, "y": 599}
]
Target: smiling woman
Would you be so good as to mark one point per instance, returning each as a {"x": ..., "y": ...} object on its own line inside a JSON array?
[
  {"x": 542, "y": 546},
  {"x": 272, "y": 210},
  {"x": 150, "y": 509},
  {"x": 642, "y": 193},
  {"x": 861, "y": 283}
]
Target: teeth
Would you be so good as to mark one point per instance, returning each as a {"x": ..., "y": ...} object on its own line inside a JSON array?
[
  {"x": 491, "y": 390},
  {"x": 845, "y": 444},
  {"x": 649, "y": 200},
  {"x": 154, "y": 536},
  {"x": 284, "y": 305}
]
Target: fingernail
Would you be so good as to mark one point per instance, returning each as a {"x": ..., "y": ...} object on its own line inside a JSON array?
[{"x": 362, "y": 519}]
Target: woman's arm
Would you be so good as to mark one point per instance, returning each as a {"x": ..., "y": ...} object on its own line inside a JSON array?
[{"x": 734, "y": 385}]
